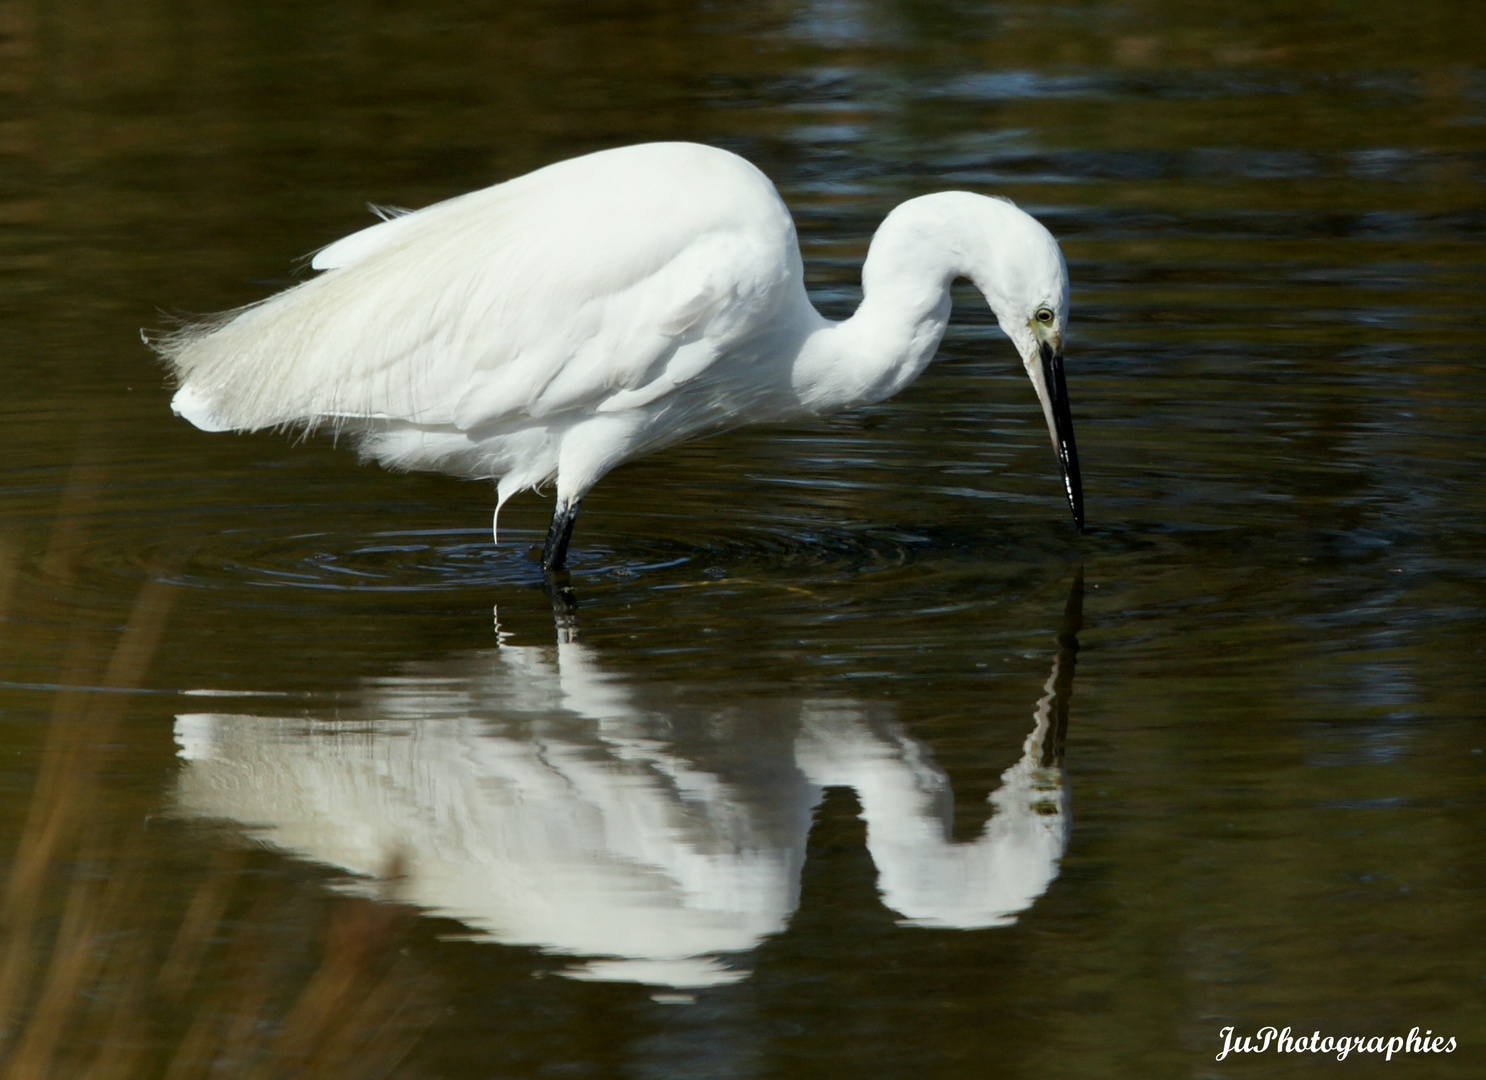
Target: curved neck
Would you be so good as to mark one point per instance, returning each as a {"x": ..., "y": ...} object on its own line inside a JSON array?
[{"x": 919, "y": 250}]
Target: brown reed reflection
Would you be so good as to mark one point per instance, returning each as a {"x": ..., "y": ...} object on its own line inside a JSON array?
[
  {"x": 100, "y": 980},
  {"x": 9, "y": 557}
]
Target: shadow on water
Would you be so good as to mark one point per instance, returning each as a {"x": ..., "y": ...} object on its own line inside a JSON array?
[{"x": 543, "y": 800}]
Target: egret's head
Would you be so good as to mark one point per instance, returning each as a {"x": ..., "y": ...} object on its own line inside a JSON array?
[
  {"x": 927, "y": 242},
  {"x": 1025, "y": 280}
]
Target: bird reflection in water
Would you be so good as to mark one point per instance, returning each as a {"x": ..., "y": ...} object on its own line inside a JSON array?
[{"x": 544, "y": 801}]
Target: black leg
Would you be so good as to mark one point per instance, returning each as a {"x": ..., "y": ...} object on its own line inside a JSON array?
[{"x": 555, "y": 551}]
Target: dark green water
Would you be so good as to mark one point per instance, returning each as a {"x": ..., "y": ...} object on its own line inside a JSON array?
[{"x": 1275, "y": 222}]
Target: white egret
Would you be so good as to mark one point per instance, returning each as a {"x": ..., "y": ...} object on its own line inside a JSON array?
[{"x": 590, "y": 312}]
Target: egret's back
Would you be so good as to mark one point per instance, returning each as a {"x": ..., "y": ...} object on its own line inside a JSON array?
[{"x": 549, "y": 295}]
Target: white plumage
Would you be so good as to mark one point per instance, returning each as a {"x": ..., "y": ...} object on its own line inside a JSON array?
[{"x": 566, "y": 321}]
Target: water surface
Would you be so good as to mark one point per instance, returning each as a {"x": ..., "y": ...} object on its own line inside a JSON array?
[{"x": 800, "y": 780}]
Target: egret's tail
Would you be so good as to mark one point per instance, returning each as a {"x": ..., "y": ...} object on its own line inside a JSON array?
[{"x": 194, "y": 407}]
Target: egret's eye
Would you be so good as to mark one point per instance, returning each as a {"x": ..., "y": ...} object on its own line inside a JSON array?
[{"x": 1044, "y": 315}]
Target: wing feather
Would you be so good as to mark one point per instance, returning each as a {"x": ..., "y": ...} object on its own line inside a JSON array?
[{"x": 559, "y": 290}]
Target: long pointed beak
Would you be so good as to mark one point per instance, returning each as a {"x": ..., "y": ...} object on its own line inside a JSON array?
[{"x": 1060, "y": 427}]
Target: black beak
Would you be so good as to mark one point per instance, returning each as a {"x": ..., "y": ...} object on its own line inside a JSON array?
[{"x": 1057, "y": 388}]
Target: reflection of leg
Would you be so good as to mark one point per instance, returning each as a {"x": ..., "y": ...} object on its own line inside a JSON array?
[
  {"x": 564, "y": 610},
  {"x": 555, "y": 552}
]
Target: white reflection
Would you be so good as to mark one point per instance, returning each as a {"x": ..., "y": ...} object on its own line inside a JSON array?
[{"x": 544, "y": 801}]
